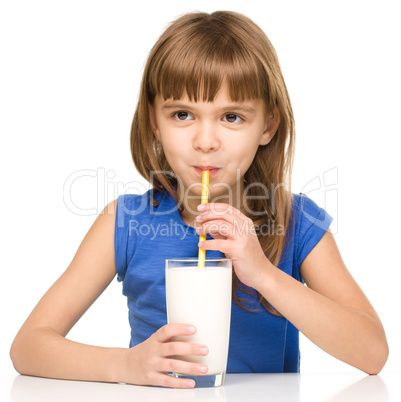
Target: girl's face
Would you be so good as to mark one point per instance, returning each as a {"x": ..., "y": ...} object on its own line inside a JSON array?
[{"x": 222, "y": 136}]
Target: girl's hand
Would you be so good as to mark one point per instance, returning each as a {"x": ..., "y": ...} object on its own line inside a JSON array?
[
  {"x": 150, "y": 362},
  {"x": 234, "y": 234}
]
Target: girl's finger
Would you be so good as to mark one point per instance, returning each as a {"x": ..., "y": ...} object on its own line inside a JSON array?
[
  {"x": 165, "y": 380},
  {"x": 223, "y": 229},
  {"x": 216, "y": 228},
  {"x": 219, "y": 244},
  {"x": 218, "y": 207},
  {"x": 230, "y": 217},
  {"x": 181, "y": 366},
  {"x": 215, "y": 236},
  {"x": 168, "y": 331},
  {"x": 183, "y": 349}
]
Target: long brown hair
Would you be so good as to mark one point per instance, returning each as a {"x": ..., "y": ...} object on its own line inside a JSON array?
[{"x": 196, "y": 54}]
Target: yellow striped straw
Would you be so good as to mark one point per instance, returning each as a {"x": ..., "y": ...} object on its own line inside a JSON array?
[{"x": 204, "y": 200}]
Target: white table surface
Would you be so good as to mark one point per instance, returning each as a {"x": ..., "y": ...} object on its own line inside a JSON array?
[{"x": 332, "y": 387}]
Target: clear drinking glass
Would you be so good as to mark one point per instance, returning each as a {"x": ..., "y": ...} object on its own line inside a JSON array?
[{"x": 202, "y": 297}]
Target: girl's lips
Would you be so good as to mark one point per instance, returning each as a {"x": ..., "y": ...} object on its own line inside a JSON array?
[{"x": 212, "y": 170}]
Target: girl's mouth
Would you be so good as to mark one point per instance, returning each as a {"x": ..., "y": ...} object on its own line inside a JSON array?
[{"x": 212, "y": 170}]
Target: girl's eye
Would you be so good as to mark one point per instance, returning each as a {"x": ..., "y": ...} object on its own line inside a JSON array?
[
  {"x": 183, "y": 116},
  {"x": 232, "y": 118}
]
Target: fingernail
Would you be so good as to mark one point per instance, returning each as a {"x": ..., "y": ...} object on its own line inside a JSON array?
[
  {"x": 191, "y": 330},
  {"x": 203, "y": 369},
  {"x": 201, "y": 207},
  {"x": 198, "y": 218},
  {"x": 190, "y": 383},
  {"x": 204, "y": 350}
]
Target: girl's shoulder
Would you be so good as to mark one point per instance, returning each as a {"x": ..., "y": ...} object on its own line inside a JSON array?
[
  {"x": 307, "y": 212},
  {"x": 309, "y": 222},
  {"x": 133, "y": 199},
  {"x": 146, "y": 206},
  {"x": 134, "y": 204}
]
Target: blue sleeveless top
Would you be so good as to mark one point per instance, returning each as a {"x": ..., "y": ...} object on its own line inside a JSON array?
[{"x": 149, "y": 229}]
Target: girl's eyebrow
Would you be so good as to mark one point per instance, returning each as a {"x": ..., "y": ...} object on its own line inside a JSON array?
[
  {"x": 173, "y": 105},
  {"x": 240, "y": 107}
]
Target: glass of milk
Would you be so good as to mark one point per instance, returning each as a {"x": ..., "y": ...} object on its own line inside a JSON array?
[{"x": 202, "y": 297}]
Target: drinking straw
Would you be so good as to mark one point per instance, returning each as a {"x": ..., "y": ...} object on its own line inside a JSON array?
[{"x": 204, "y": 200}]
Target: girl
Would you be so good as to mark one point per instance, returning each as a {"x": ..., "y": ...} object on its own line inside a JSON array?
[{"x": 212, "y": 97}]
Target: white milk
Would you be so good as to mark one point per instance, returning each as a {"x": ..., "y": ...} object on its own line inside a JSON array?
[{"x": 202, "y": 297}]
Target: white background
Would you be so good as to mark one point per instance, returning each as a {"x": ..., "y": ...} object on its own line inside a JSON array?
[{"x": 70, "y": 73}]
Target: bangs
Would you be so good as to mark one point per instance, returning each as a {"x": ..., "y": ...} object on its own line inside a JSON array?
[{"x": 198, "y": 63}]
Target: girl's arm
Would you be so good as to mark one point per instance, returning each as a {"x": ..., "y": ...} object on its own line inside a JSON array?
[
  {"x": 332, "y": 311},
  {"x": 41, "y": 349}
]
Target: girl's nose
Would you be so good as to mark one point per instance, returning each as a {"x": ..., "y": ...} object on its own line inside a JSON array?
[{"x": 206, "y": 138}]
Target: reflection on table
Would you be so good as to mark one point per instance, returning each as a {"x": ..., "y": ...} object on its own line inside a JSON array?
[{"x": 238, "y": 387}]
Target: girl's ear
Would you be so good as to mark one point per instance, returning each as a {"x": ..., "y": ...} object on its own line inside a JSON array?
[
  {"x": 272, "y": 124},
  {"x": 153, "y": 121}
]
